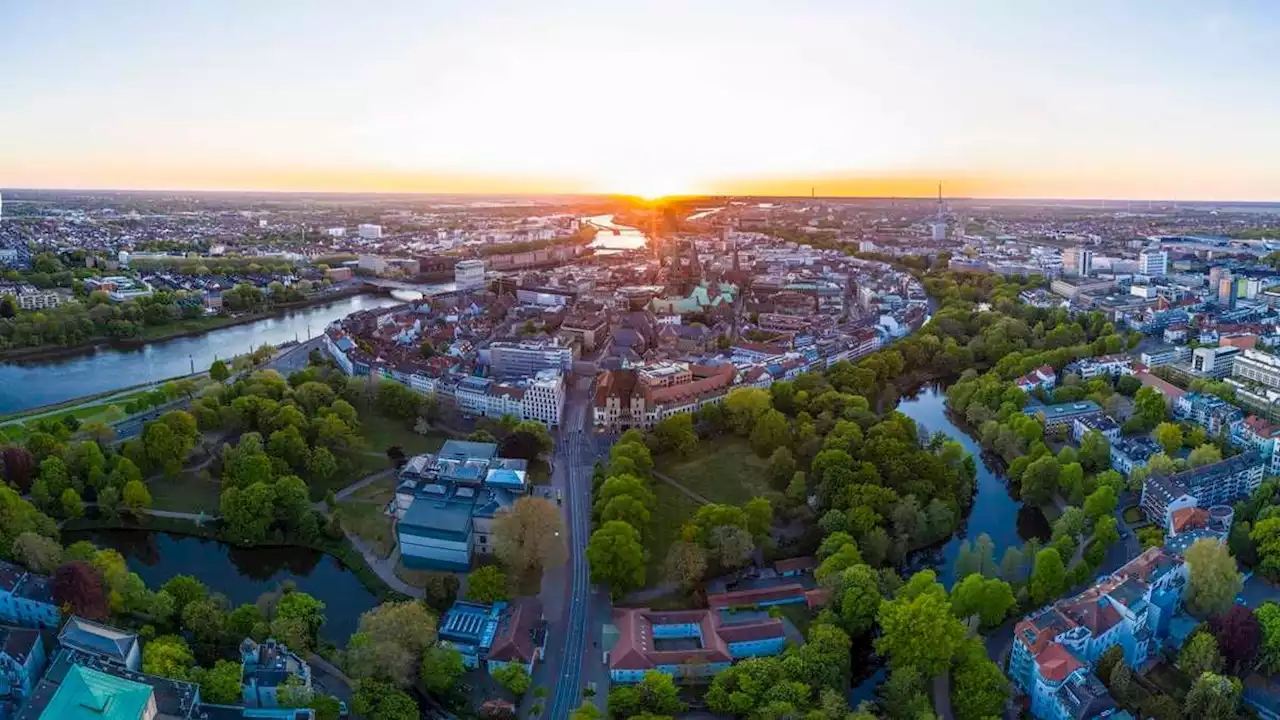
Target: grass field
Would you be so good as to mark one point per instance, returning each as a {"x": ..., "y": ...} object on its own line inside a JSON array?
[
  {"x": 727, "y": 471},
  {"x": 381, "y": 491},
  {"x": 672, "y": 510},
  {"x": 1134, "y": 515},
  {"x": 185, "y": 493},
  {"x": 380, "y": 433},
  {"x": 367, "y": 520}
]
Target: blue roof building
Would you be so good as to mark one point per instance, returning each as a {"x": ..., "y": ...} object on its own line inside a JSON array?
[
  {"x": 491, "y": 636},
  {"x": 446, "y": 503},
  {"x": 1064, "y": 413},
  {"x": 104, "y": 642},
  {"x": 27, "y": 599}
]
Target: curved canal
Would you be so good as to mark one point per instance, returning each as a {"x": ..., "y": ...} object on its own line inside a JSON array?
[
  {"x": 25, "y": 385},
  {"x": 995, "y": 511},
  {"x": 242, "y": 574}
]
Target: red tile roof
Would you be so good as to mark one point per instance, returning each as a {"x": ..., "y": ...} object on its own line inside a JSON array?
[{"x": 1056, "y": 663}]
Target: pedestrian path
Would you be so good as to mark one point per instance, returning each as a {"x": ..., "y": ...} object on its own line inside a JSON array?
[{"x": 676, "y": 484}]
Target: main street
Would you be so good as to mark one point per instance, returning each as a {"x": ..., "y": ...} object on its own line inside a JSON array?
[{"x": 575, "y": 609}]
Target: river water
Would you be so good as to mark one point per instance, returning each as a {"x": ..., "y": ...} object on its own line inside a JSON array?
[
  {"x": 25, "y": 385},
  {"x": 627, "y": 238},
  {"x": 242, "y": 574},
  {"x": 995, "y": 511}
]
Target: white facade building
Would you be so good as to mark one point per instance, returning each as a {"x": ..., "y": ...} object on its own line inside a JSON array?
[
  {"x": 369, "y": 231},
  {"x": 469, "y": 274},
  {"x": 1153, "y": 263}
]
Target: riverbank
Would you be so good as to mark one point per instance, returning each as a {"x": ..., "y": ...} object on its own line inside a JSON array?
[
  {"x": 174, "y": 331},
  {"x": 342, "y": 552}
]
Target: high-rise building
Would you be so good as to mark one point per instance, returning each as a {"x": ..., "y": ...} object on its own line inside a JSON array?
[
  {"x": 1077, "y": 261},
  {"x": 370, "y": 232},
  {"x": 1153, "y": 263},
  {"x": 469, "y": 274},
  {"x": 1227, "y": 291}
]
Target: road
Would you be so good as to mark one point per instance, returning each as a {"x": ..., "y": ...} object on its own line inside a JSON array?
[{"x": 576, "y": 610}]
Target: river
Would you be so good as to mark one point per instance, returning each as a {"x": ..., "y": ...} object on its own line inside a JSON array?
[
  {"x": 995, "y": 511},
  {"x": 28, "y": 384},
  {"x": 607, "y": 242},
  {"x": 242, "y": 574}
]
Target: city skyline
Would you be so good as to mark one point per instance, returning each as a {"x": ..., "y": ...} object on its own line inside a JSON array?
[{"x": 1147, "y": 101}]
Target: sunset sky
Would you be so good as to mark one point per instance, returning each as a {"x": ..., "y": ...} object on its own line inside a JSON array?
[{"x": 1018, "y": 98}]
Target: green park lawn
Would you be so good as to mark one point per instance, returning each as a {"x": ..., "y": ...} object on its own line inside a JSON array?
[
  {"x": 669, "y": 515},
  {"x": 185, "y": 493},
  {"x": 366, "y": 520},
  {"x": 727, "y": 471},
  {"x": 1134, "y": 515},
  {"x": 380, "y": 433}
]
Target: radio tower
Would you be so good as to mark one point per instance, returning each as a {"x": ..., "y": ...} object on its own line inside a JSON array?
[{"x": 941, "y": 209}]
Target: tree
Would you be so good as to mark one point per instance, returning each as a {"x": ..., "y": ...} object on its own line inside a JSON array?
[
  {"x": 530, "y": 536},
  {"x": 513, "y": 677},
  {"x": 770, "y": 432},
  {"x": 1268, "y": 614},
  {"x": 1213, "y": 580},
  {"x": 782, "y": 468},
  {"x": 136, "y": 496},
  {"x": 742, "y": 407},
  {"x": 218, "y": 371},
  {"x": 442, "y": 669},
  {"x": 39, "y": 554},
  {"x": 378, "y": 700},
  {"x": 1095, "y": 452},
  {"x": 676, "y": 434},
  {"x": 487, "y": 584},
  {"x": 1040, "y": 480},
  {"x": 398, "y": 402},
  {"x": 1149, "y": 408},
  {"x": 78, "y": 588},
  {"x": 167, "y": 656},
  {"x": 1239, "y": 635},
  {"x": 306, "y": 611},
  {"x": 221, "y": 683},
  {"x": 71, "y": 504},
  {"x": 759, "y": 513},
  {"x": 1200, "y": 655},
  {"x": 732, "y": 546},
  {"x": 980, "y": 687},
  {"x": 19, "y": 467},
  {"x": 616, "y": 557},
  {"x": 1213, "y": 697},
  {"x": 1107, "y": 662},
  {"x": 628, "y": 509},
  {"x": 918, "y": 628},
  {"x": 1048, "y": 577},
  {"x": 1204, "y": 455},
  {"x": 390, "y": 642},
  {"x": 655, "y": 694},
  {"x": 1169, "y": 435},
  {"x": 989, "y": 599},
  {"x": 686, "y": 563},
  {"x": 184, "y": 589},
  {"x": 859, "y": 599},
  {"x": 1101, "y": 502}
]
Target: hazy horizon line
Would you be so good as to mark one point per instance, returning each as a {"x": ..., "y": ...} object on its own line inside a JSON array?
[{"x": 616, "y": 195}]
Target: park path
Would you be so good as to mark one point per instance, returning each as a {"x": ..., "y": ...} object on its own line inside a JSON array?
[
  {"x": 676, "y": 484},
  {"x": 942, "y": 696},
  {"x": 385, "y": 568},
  {"x": 356, "y": 486}
]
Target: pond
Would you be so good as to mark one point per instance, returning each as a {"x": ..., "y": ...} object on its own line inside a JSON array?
[
  {"x": 242, "y": 574},
  {"x": 995, "y": 510}
]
